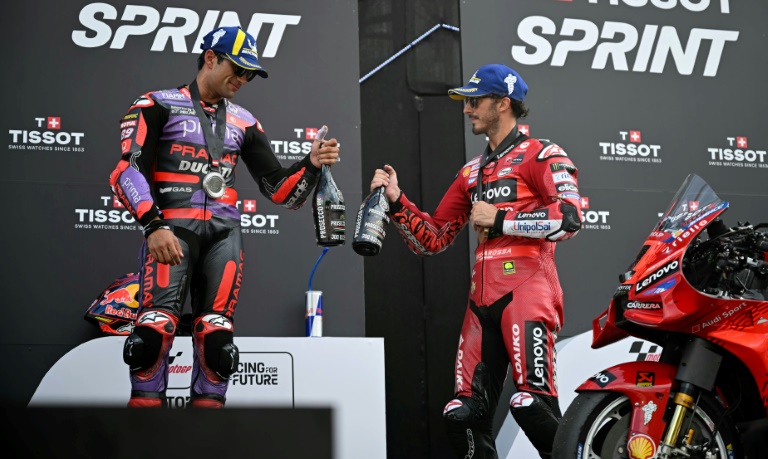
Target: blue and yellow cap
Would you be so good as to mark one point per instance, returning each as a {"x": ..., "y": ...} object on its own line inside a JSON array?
[
  {"x": 492, "y": 79},
  {"x": 237, "y": 45}
]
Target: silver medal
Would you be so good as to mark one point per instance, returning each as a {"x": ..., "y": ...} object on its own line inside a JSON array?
[{"x": 214, "y": 185}]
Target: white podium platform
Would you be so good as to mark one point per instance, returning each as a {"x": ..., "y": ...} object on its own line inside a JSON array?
[{"x": 345, "y": 374}]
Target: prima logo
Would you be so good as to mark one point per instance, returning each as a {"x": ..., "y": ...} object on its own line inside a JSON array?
[{"x": 98, "y": 20}]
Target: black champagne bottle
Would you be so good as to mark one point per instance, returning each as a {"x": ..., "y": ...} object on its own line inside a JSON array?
[
  {"x": 371, "y": 223},
  {"x": 328, "y": 206}
]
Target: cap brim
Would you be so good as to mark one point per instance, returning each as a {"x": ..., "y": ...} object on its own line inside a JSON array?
[
  {"x": 249, "y": 66},
  {"x": 466, "y": 91}
]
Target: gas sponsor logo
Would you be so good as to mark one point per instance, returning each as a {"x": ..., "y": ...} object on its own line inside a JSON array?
[
  {"x": 736, "y": 152},
  {"x": 621, "y": 47},
  {"x": 111, "y": 215},
  {"x": 252, "y": 222},
  {"x": 630, "y": 149},
  {"x": 46, "y": 134},
  {"x": 102, "y": 24},
  {"x": 592, "y": 218}
]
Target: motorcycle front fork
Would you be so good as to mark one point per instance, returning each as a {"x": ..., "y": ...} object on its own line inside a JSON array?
[{"x": 684, "y": 401}]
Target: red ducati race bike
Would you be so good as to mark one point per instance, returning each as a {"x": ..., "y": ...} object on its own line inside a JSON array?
[{"x": 699, "y": 290}]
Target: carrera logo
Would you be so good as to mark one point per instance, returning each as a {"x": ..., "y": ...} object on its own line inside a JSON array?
[
  {"x": 663, "y": 272},
  {"x": 98, "y": 19},
  {"x": 639, "y": 305}
]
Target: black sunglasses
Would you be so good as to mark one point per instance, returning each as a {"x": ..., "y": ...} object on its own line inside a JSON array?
[
  {"x": 243, "y": 72},
  {"x": 238, "y": 71},
  {"x": 474, "y": 101}
]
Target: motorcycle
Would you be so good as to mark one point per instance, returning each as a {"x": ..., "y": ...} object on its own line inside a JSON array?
[{"x": 699, "y": 290}]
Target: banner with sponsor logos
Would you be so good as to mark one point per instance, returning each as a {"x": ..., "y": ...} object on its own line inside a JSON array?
[
  {"x": 639, "y": 94},
  {"x": 346, "y": 374},
  {"x": 79, "y": 68}
]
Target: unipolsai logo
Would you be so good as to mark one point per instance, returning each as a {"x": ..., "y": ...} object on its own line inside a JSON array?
[
  {"x": 252, "y": 222},
  {"x": 112, "y": 215},
  {"x": 46, "y": 134},
  {"x": 630, "y": 148},
  {"x": 594, "y": 219},
  {"x": 737, "y": 153}
]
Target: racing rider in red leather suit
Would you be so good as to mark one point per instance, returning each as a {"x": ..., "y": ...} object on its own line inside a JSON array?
[
  {"x": 194, "y": 240},
  {"x": 522, "y": 196}
]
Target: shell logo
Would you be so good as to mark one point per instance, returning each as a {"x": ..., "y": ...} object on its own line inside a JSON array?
[
  {"x": 641, "y": 447},
  {"x": 466, "y": 172}
]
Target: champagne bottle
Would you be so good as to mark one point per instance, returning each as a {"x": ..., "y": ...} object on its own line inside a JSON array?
[
  {"x": 328, "y": 206},
  {"x": 371, "y": 224}
]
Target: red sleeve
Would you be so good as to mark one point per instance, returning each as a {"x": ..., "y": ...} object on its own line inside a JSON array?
[
  {"x": 554, "y": 178},
  {"x": 429, "y": 235}
]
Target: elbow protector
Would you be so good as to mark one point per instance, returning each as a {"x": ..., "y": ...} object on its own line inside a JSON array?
[{"x": 570, "y": 223}]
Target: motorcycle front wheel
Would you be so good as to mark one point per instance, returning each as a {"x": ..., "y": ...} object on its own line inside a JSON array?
[{"x": 596, "y": 426}]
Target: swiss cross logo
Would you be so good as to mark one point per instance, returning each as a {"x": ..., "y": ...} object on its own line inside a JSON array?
[
  {"x": 116, "y": 203},
  {"x": 54, "y": 122},
  {"x": 693, "y": 205},
  {"x": 249, "y": 205},
  {"x": 584, "y": 202},
  {"x": 741, "y": 142},
  {"x": 635, "y": 137},
  {"x": 524, "y": 129},
  {"x": 311, "y": 133}
]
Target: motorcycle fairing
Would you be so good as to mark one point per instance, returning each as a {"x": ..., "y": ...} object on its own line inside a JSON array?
[{"x": 647, "y": 385}]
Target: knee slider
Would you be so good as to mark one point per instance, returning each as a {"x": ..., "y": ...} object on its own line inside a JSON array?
[
  {"x": 220, "y": 352},
  {"x": 463, "y": 410},
  {"x": 144, "y": 345}
]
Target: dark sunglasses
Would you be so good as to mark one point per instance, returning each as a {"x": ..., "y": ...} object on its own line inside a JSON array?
[
  {"x": 474, "y": 101},
  {"x": 238, "y": 71},
  {"x": 243, "y": 72}
]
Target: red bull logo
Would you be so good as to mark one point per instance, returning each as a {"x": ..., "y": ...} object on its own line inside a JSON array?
[{"x": 124, "y": 295}]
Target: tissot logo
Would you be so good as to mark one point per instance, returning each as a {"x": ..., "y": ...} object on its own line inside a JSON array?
[
  {"x": 736, "y": 152},
  {"x": 47, "y": 134},
  {"x": 299, "y": 146},
  {"x": 630, "y": 148},
  {"x": 593, "y": 219},
  {"x": 111, "y": 216},
  {"x": 253, "y": 223},
  {"x": 623, "y": 47},
  {"x": 104, "y": 24}
]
